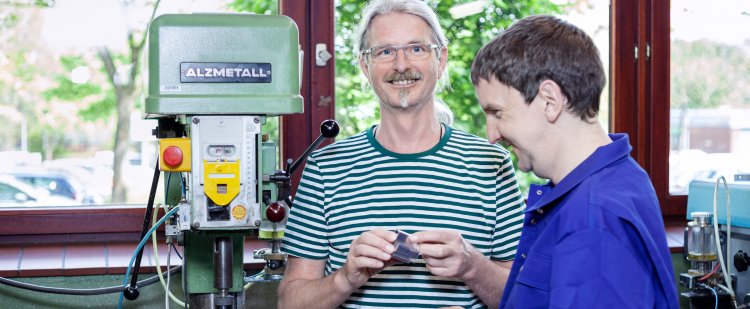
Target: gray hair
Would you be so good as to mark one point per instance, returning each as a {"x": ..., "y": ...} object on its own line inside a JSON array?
[
  {"x": 414, "y": 7},
  {"x": 443, "y": 112}
]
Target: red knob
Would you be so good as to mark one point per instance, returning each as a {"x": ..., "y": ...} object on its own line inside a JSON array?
[
  {"x": 172, "y": 156},
  {"x": 275, "y": 212}
]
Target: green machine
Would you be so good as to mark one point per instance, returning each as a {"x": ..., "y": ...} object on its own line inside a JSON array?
[{"x": 214, "y": 79}]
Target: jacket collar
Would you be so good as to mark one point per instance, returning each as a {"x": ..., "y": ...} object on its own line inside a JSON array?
[{"x": 603, "y": 156}]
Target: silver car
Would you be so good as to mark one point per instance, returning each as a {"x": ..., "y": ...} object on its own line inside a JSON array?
[{"x": 14, "y": 193}]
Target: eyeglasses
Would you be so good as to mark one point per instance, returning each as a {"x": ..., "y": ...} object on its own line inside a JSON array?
[{"x": 416, "y": 51}]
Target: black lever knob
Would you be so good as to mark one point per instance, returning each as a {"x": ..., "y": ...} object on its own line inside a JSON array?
[
  {"x": 329, "y": 128},
  {"x": 741, "y": 261}
]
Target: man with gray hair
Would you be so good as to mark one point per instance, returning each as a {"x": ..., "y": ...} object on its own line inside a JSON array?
[{"x": 411, "y": 212}]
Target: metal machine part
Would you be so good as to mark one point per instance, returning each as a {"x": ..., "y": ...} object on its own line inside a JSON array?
[
  {"x": 225, "y": 175},
  {"x": 700, "y": 249},
  {"x": 705, "y": 273},
  {"x": 741, "y": 261},
  {"x": 223, "y": 272},
  {"x": 700, "y": 243},
  {"x": 212, "y": 100},
  {"x": 740, "y": 242}
]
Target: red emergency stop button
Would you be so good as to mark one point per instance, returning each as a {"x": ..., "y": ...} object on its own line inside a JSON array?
[{"x": 172, "y": 156}]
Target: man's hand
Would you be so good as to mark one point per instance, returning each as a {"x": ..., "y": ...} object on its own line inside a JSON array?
[
  {"x": 446, "y": 253},
  {"x": 368, "y": 254}
]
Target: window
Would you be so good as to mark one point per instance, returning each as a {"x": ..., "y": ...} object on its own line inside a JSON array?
[
  {"x": 39, "y": 98},
  {"x": 710, "y": 92},
  {"x": 58, "y": 106},
  {"x": 593, "y": 17}
]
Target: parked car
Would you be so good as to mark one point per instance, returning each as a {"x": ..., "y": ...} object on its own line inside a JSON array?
[
  {"x": 57, "y": 183},
  {"x": 17, "y": 193},
  {"x": 95, "y": 178}
]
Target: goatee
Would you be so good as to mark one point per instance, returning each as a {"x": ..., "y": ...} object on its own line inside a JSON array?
[{"x": 404, "y": 96}]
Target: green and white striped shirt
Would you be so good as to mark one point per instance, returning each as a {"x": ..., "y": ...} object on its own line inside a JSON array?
[{"x": 464, "y": 183}]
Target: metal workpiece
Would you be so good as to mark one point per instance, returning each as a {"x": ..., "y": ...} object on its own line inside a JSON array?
[{"x": 405, "y": 250}]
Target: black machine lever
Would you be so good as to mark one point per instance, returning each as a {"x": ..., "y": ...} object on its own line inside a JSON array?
[
  {"x": 131, "y": 291},
  {"x": 328, "y": 129}
]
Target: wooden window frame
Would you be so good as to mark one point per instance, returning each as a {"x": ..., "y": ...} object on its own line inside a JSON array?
[
  {"x": 640, "y": 88},
  {"x": 640, "y": 107}
]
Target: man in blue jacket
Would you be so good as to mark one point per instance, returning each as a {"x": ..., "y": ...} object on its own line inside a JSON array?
[{"x": 593, "y": 236}]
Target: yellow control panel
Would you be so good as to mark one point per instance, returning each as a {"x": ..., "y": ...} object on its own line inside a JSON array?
[{"x": 221, "y": 181}]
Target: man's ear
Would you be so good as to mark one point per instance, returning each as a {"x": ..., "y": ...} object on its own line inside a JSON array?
[
  {"x": 554, "y": 99},
  {"x": 443, "y": 61},
  {"x": 363, "y": 66}
]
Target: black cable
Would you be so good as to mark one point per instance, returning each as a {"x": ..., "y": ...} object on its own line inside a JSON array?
[
  {"x": 88, "y": 292},
  {"x": 175, "y": 250}
]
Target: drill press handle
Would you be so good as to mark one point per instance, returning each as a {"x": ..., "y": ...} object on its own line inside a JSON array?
[{"x": 328, "y": 129}]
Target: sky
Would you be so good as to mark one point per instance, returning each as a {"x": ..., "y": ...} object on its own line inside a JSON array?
[
  {"x": 724, "y": 21},
  {"x": 71, "y": 24},
  {"x": 82, "y": 24}
]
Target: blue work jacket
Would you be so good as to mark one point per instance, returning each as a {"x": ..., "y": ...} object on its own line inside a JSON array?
[{"x": 595, "y": 240}]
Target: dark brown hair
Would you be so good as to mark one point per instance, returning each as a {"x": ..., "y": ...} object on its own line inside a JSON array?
[{"x": 539, "y": 48}]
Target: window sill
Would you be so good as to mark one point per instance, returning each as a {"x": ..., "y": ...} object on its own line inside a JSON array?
[
  {"x": 93, "y": 258},
  {"x": 71, "y": 241},
  {"x": 675, "y": 236}
]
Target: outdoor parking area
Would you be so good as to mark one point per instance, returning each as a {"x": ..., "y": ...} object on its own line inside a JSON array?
[{"x": 26, "y": 180}]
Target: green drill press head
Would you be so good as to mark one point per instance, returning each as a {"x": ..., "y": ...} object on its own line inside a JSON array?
[{"x": 202, "y": 64}]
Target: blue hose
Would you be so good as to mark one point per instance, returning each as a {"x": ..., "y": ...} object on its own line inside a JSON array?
[
  {"x": 716, "y": 299},
  {"x": 140, "y": 245}
]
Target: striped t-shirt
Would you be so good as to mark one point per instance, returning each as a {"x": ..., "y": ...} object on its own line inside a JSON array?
[{"x": 355, "y": 185}]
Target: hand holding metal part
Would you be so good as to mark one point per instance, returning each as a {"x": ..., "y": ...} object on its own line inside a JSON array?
[
  {"x": 445, "y": 252},
  {"x": 368, "y": 254},
  {"x": 406, "y": 251}
]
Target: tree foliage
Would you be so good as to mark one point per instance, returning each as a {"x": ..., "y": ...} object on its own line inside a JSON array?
[
  {"x": 253, "y": 6},
  {"x": 706, "y": 74},
  {"x": 22, "y": 109},
  {"x": 66, "y": 89},
  {"x": 357, "y": 108},
  {"x": 118, "y": 98}
]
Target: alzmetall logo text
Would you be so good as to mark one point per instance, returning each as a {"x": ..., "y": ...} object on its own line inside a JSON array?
[{"x": 225, "y": 72}]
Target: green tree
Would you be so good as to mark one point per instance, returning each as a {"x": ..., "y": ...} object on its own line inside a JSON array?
[
  {"x": 20, "y": 106},
  {"x": 706, "y": 74},
  {"x": 356, "y": 107},
  {"x": 254, "y": 6},
  {"x": 118, "y": 99},
  {"x": 125, "y": 88},
  {"x": 53, "y": 140}
]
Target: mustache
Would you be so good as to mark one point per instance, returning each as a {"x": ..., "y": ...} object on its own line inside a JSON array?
[{"x": 407, "y": 75}]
